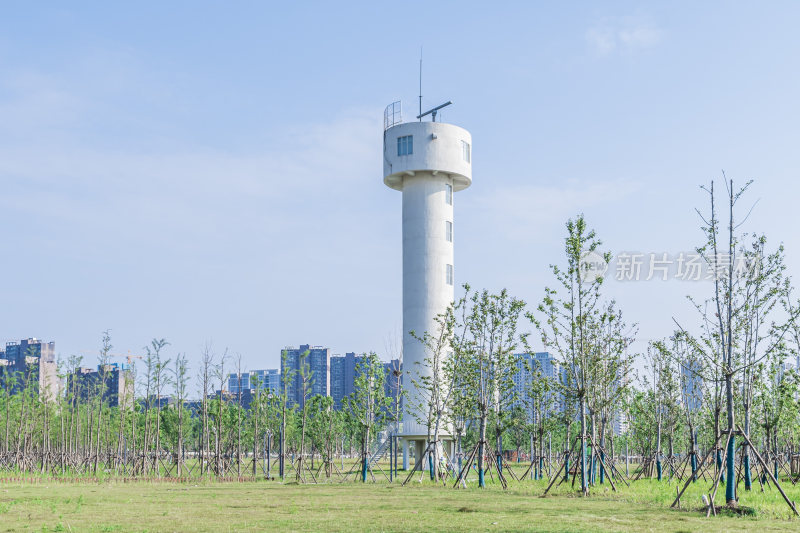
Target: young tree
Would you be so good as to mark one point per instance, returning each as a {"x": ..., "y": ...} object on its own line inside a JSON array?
[
  {"x": 156, "y": 374},
  {"x": 286, "y": 405},
  {"x": 305, "y": 376},
  {"x": 484, "y": 341},
  {"x": 180, "y": 378},
  {"x": 689, "y": 365},
  {"x": 747, "y": 284},
  {"x": 566, "y": 317},
  {"x": 368, "y": 406},
  {"x": 541, "y": 406},
  {"x": 436, "y": 383},
  {"x": 105, "y": 350},
  {"x": 204, "y": 381},
  {"x": 667, "y": 397},
  {"x": 610, "y": 376},
  {"x": 219, "y": 374}
]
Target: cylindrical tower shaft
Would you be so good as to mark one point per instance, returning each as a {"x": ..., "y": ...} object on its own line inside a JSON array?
[{"x": 428, "y": 276}]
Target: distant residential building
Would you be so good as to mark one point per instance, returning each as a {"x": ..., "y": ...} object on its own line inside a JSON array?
[
  {"x": 691, "y": 385},
  {"x": 344, "y": 370},
  {"x": 113, "y": 381},
  {"x": 269, "y": 379},
  {"x": 332, "y": 376},
  {"x": 619, "y": 421},
  {"x": 266, "y": 380},
  {"x": 394, "y": 378},
  {"x": 317, "y": 360},
  {"x": 527, "y": 366},
  {"x": 788, "y": 365},
  {"x": 30, "y": 363},
  {"x": 238, "y": 382}
]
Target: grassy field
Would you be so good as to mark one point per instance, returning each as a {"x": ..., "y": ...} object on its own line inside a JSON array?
[{"x": 352, "y": 507}]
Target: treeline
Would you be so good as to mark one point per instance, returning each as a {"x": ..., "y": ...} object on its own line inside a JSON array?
[{"x": 77, "y": 432}]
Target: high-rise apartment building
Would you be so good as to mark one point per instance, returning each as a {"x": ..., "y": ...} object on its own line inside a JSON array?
[
  {"x": 344, "y": 370},
  {"x": 315, "y": 361},
  {"x": 691, "y": 385},
  {"x": 268, "y": 380},
  {"x": 113, "y": 381},
  {"x": 30, "y": 363},
  {"x": 527, "y": 367}
]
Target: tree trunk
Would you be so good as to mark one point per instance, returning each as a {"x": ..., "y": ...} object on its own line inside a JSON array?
[
  {"x": 584, "y": 480},
  {"x": 730, "y": 486},
  {"x": 748, "y": 480},
  {"x": 481, "y": 450}
]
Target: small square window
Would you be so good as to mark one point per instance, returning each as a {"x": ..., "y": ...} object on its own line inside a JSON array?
[
  {"x": 405, "y": 145},
  {"x": 448, "y": 196},
  {"x": 448, "y": 231},
  {"x": 465, "y": 150},
  {"x": 449, "y": 274}
]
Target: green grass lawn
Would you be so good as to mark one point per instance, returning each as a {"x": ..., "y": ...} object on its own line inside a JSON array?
[{"x": 261, "y": 506}]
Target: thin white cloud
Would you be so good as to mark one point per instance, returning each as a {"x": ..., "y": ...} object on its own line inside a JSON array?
[
  {"x": 622, "y": 34},
  {"x": 518, "y": 209},
  {"x": 161, "y": 196}
]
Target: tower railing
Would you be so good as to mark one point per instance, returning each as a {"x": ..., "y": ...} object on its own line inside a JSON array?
[{"x": 392, "y": 115}]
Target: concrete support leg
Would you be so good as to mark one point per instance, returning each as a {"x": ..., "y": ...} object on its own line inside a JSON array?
[
  {"x": 405, "y": 454},
  {"x": 419, "y": 447},
  {"x": 450, "y": 448}
]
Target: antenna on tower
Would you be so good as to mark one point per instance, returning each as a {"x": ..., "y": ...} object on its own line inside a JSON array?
[
  {"x": 420, "y": 83},
  {"x": 436, "y": 109},
  {"x": 433, "y": 111}
]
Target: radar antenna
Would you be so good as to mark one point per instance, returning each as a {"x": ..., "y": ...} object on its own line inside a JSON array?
[{"x": 433, "y": 111}]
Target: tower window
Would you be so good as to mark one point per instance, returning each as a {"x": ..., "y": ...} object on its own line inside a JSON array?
[
  {"x": 448, "y": 195},
  {"x": 448, "y": 231},
  {"x": 449, "y": 274},
  {"x": 465, "y": 150},
  {"x": 405, "y": 145}
]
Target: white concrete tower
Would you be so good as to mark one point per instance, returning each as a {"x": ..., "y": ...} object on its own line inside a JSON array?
[{"x": 428, "y": 162}]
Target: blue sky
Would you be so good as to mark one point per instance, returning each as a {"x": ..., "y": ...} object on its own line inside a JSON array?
[{"x": 212, "y": 172}]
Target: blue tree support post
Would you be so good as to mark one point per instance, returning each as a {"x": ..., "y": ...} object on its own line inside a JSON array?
[
  {"x": 391, "y": 451},
  {"x": 659, "y": 469},
  {"x": 730, "y": 486},
  {"x": 748, "y": 478},
  {"x": 694, "y": 466},
  {"x": 364, "y": 466},
  {"x": 430, "y": 465},
  {"x": 602, "y": 470}
]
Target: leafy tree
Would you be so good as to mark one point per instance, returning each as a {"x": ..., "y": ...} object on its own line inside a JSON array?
[
  {"x": 368, "y": 406},
  {"x": 485, "y": 342},
  {"x": 567, "y": 316}
]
